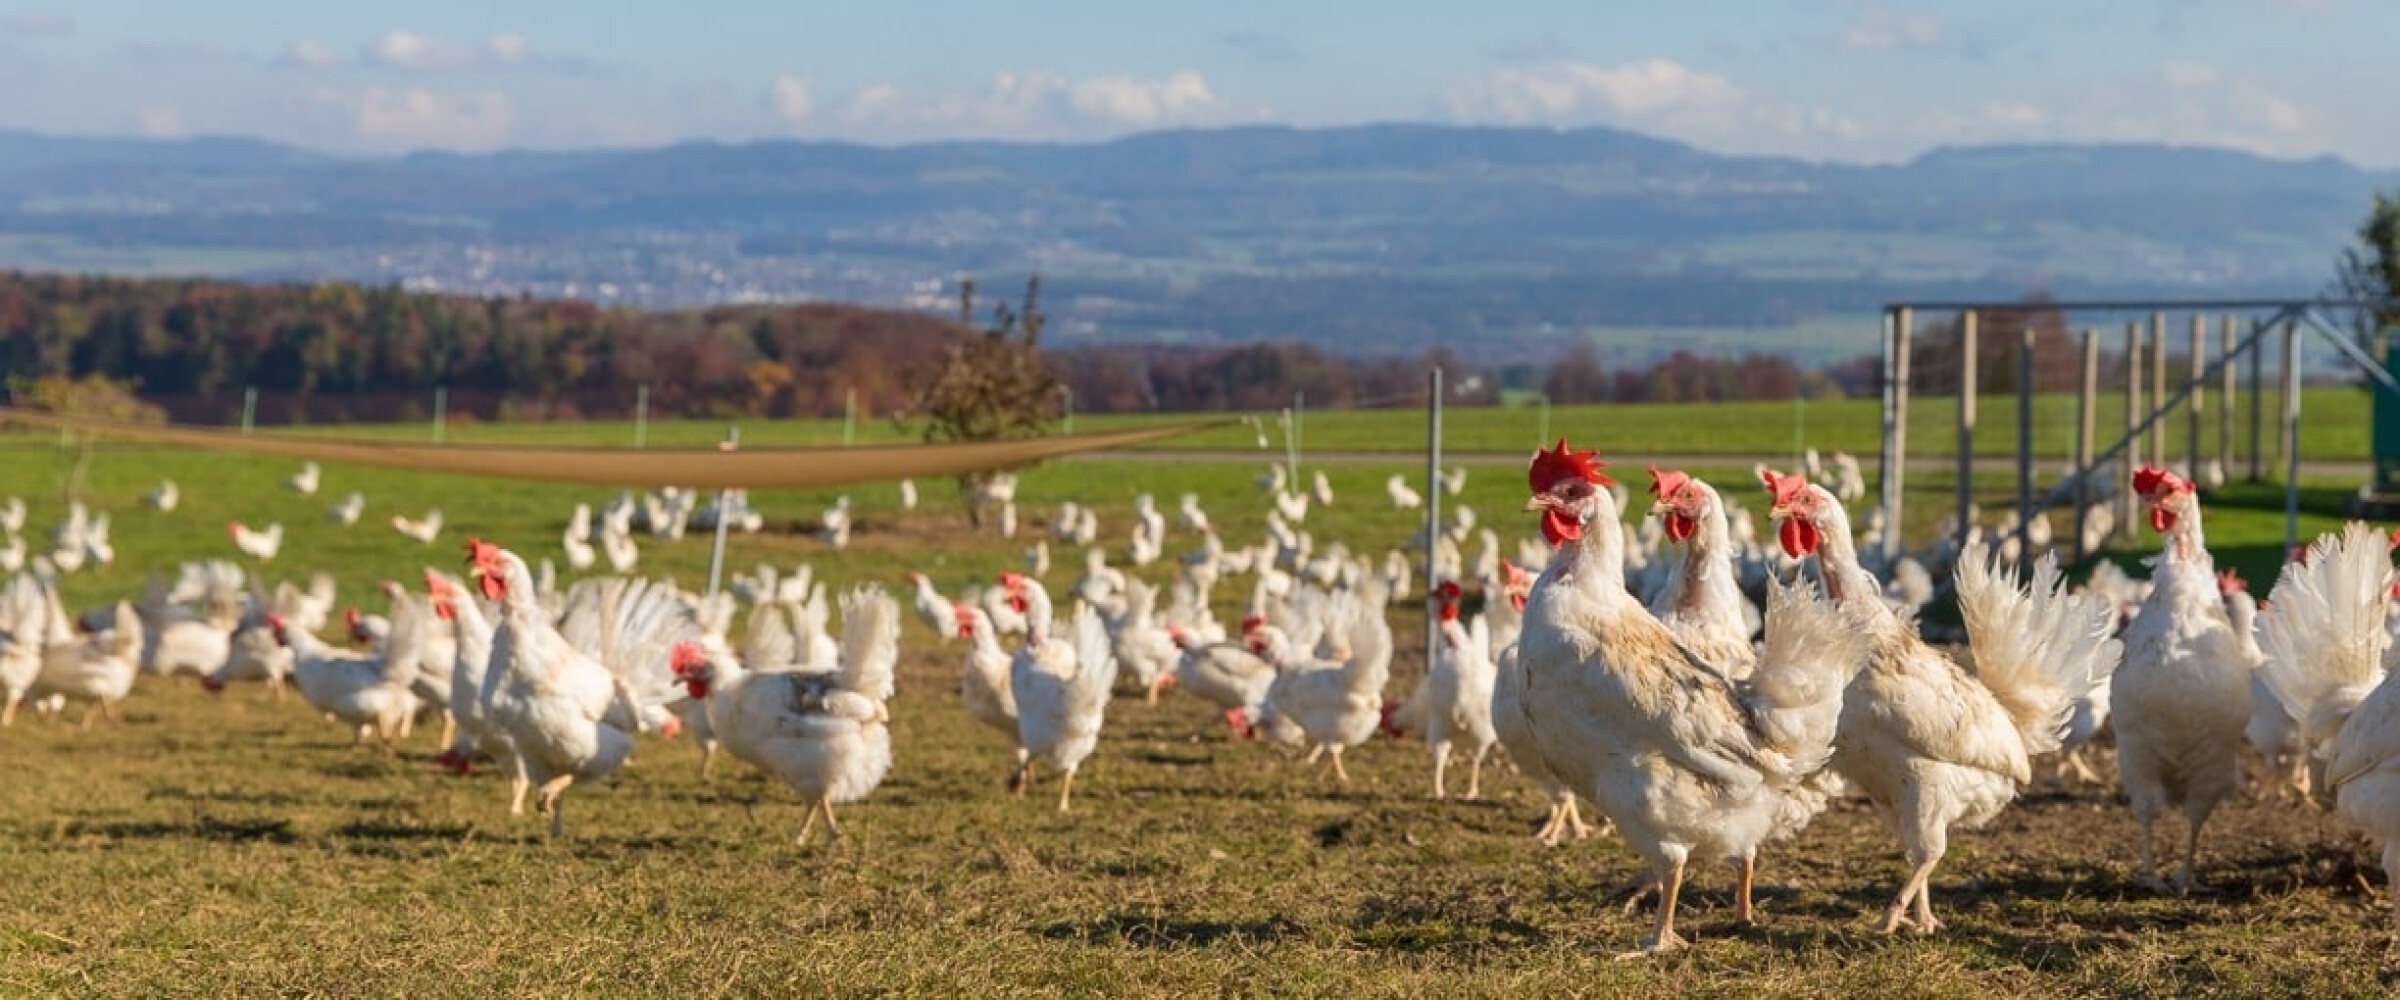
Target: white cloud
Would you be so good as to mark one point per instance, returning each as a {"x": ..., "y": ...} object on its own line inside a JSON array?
[
  {"x": 1037, "y": 105},
  {"x": 417, "y": 119},
  {"x": 790, "y": 96},
  {"x": 1563, "y": 93},
  {"x": 161, "y": 122},
  {"x": 507, "y": 49},
  {"x": 413, "y": 52},
  {"x": 1142, "y": 103},
  {"x": 2015, "y": 115},
  {"x": 311, "y": 54}
]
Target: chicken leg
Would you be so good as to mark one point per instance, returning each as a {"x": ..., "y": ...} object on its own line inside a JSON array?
[
  {"x": 1663, "y": 938},
  {"x": 1339, "y": 774},
  {"x": 1066, "y": 787},
  {"x": 1743, "y": 913},
  {"x": 553, "y": 801}
]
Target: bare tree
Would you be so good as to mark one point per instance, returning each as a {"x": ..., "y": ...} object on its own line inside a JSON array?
[{"x": 991, "y": 384}]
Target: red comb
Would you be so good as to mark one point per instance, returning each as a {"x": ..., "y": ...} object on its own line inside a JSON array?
[
  {"x": 1449, "y": 590},
  {"x": 2229, "y": 581},
  {"x": 2150, "y": 480},
  {"x": 1252, "y": 622},
  {"x": 1668, "y": 483},
  {"x": 350, "y": 617},
  {"x": 1559, "y": 463},
  {"x": 1785, "y": 489},
  {"x": 436, "y": 586},
  {"x": 480, "y": 551}
]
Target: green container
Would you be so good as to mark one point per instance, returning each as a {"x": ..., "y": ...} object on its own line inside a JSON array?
[{"x": 2387, "y": 428}]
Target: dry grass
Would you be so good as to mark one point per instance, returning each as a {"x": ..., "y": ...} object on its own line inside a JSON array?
[
  {"x": 232, "y": 844},
  {"x": 235, "y": 846}
]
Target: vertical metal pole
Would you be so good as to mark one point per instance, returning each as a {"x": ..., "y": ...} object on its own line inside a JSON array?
[
  {"x": 1299, "y": 409},
  {"x": 249, "y": 408},
  {"x": 2226, "y": 372},
  {"x": 2258, "y": 395},
  {"x": 2133, "y": 421},
  {"x": 1896, "y": 467},
  {"x": 1967, "y": 383},
  {"x": 716, "y": 545},
  {"x": 641, "y": 416},
  {"x": 2025, "y": 511},
  {"x": 1433, "y": 503},
  {"x": 1542, "y": 440},
  {"x": 850, "y": 417},
  {"x": 2291, "y": 437},
  {"x": 441, "y": 411},
  {"x": 2158, "y": 387},
  {"x": 2086, "y": 402},
  {"x": 2287, "y": 388},
  {"x": 2196, "y": 402},
  {"x": 1799, "y": 423}
]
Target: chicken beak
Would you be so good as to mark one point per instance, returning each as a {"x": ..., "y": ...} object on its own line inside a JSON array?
[{"x": 1538, "y": 501}]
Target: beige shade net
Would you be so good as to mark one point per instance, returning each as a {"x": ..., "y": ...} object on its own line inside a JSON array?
[{"x": 697, "y": 468}]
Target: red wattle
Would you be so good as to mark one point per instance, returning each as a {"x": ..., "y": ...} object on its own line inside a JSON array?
[
  {"x": 494, "y": 588},
  {"x": 2161, "y": 519},
  {"x": 1799, "y": 537},
  {"x": 1680, "y": 527},
  {"x": 1559, "y": 528}
]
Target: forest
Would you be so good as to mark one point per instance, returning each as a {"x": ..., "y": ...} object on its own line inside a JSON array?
[{"x": 338, "y": 352}]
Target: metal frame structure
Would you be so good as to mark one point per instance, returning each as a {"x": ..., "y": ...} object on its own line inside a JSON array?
[{"x": 2289, "y": 315}]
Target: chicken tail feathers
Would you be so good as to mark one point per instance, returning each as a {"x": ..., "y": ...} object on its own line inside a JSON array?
[
  {"x": 2323, "y": 629},
  {"x": 2037, "y": 648},
  {"x": 1813, "y": 647}
]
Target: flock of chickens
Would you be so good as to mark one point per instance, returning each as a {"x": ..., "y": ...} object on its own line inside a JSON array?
[{"x": 1627, "y": 667}]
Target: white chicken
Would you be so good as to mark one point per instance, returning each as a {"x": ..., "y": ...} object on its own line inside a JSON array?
[
  {"x": 1190, "y": 517},
  {"x": 1146, "y": 653},
  {"x": 983, "y": 687},
  {"x": 577, "y": 539},
  {"x": 347, "y": 512},
  {"x": 2271, "y": 731},
  {"x": 931, "y": 607},
  {"x": 1061, "y": 685},
  {"x": 1931, "y": 743},
  {"x": 1686, "y": 761},
  {"x": 1329, "y": 706},
  {"x": 1702, "y": 601},
  {"x": 1403, "y": 498},
  {"x": 2324, "y": 639},
  {"x": 1322, "y": 489},
  {"x": 1457, "y": 706},
  {"x": 424, "y": 529},
  {"x": 571, "y": 716},
  {"x": 164, "y": 498},
  {"x": 24, "y": 632},
  {"x": 304, "y": 482},
  {"x": 367, "y": 691},
  {"x": 260, "y": 545},
  {"x": 1513, "y": 727},
  {"x": 2182, "y": 696},
  {"x": 1227, "y": 675},
  {"x": 96, "y": 668},
  {"x": 824, "y": 733}
]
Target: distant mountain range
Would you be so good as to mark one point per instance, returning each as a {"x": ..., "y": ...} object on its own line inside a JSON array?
[{"x": 1364, "y": 239}]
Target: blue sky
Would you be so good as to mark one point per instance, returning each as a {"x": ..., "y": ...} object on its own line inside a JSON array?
[{"x": 1854, "y": 80}]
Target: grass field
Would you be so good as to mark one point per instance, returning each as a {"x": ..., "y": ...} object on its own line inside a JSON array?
[
  {"x": 231, "y": 845},
  {"x": 2333, "y": 428}
]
